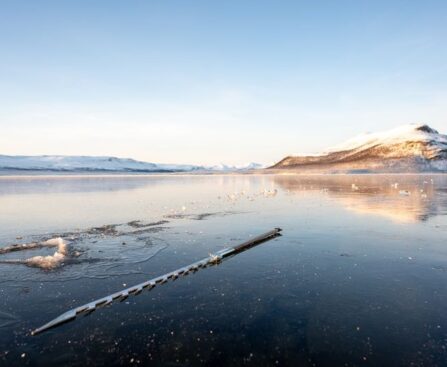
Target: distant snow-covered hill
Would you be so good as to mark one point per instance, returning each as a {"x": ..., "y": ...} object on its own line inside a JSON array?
[
  {"x": 224, "y": 167},
  {"x": 409, "y": 148},
  {"x": 56, "y": 163}
]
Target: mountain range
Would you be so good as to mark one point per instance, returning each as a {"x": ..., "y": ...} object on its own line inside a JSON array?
[
  {"x": 57, "y": 163},
  {"x": 408, "y": 148}
]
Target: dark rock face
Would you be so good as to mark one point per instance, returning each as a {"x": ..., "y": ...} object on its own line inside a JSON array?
[{"x": 427, "y": 129}]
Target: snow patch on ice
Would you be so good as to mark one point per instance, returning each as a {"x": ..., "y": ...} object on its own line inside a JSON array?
[
  {"x": 43, "y": 262},
  {"x": 50, "y": 261}
]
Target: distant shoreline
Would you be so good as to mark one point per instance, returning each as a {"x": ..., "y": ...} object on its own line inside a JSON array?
[{"x": 261, "y": 172}]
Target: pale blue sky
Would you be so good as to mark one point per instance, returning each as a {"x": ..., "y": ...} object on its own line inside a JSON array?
[{"x": 215, "y": 81}]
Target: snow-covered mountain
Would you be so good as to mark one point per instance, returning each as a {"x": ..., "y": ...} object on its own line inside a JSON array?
[
  {"x": 105, "y": 164},
  {"x": 408, "y": 148},
  {"x": 224, "y": 167}
]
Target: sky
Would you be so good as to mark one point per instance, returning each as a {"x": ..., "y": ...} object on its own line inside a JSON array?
[{"x": 205, "y": 82}]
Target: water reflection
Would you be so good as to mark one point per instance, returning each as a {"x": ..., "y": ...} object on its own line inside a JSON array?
[
  {"x": 67, "y": 184},
  {"x": 401, "y": 198},
  {"x": 344, "y": 285}
]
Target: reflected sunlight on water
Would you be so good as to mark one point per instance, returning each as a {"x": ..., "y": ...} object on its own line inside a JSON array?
[{"x": 359, "y": 276}]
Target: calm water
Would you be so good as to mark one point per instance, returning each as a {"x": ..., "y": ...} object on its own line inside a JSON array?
[{"x": 359, "y": 276}]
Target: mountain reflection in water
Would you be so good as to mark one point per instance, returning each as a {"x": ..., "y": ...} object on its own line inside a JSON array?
[
  {"x": 401, "y": 198},
  {"x": 359, "y": 276}
]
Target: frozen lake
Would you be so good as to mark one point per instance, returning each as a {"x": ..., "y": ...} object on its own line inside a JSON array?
[{"x": 359, "y": 276}]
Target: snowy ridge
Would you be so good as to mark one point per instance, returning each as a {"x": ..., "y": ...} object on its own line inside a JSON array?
[
  {"x": 58, "y": 163},
  {"x": 406, "y": 133},
  {"x": 224, "y": 167},
  {"x": 408, "y": 148}
]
